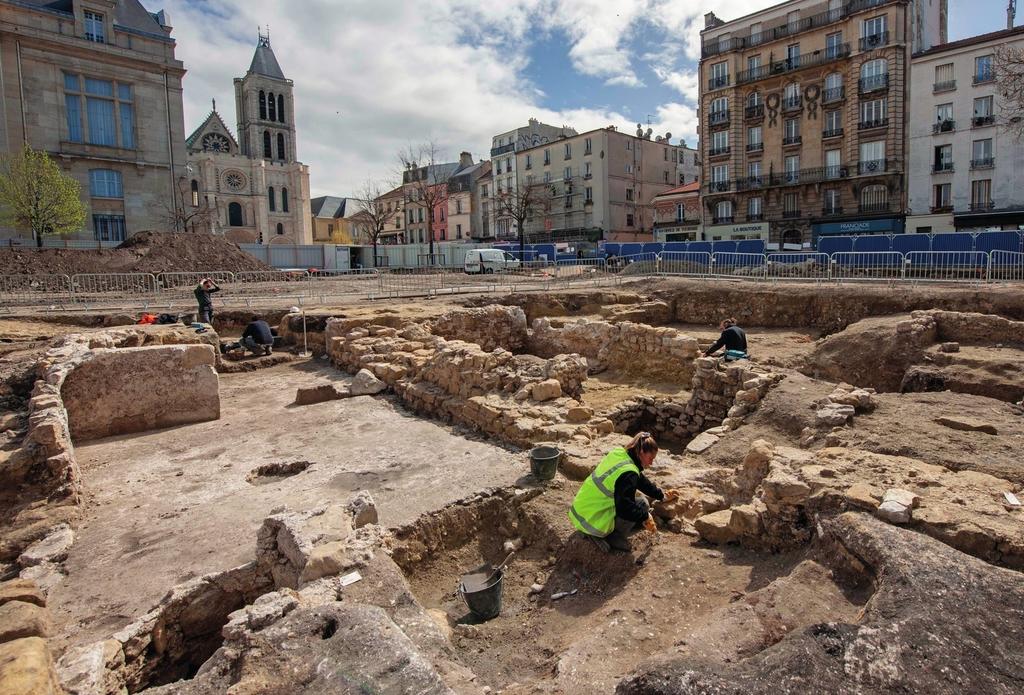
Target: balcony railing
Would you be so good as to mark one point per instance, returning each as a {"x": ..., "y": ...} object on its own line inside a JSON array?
[
  {"x": 792, "y": 103},
  {"x": 941, "y": 209},
  {"x": 822, "y": 17},
  {"x": 724, "y": 219},
  {"x": 719, "y": 186},
  {"x": 833, "y": 94},
  {"x": 754, "y": 112},
  {"x": 834, "y": 133},
  {"x": 719, "y": 117},
  {"x": 790, "y": 214},
  {"x": 750, "y": 183},
  {"x": 980, "y": 121},
  {"x": 880, "y": 206},
  {"x": 942, "y": 167},
  {"x": 790, "y": 178},
  {"x": 755, "y": 147},
  {"x": 947, "y": 86},
  {"x": 830, "y": 211},
  {"x": 874, "y": 166},
  {"x": 755, "y": 217},
  {"x": 985, "y": 76},
  {"x": 983, "y": 163},
  {"x": 718, "y": 82},
  {"x": 791, "y": 140},
  {"x": 873, "y": 123},
  {"x": 872, "y": 41},
  {"x": 781, "y": 67},
  {"x": 502, "y": 149},
  {"x": 982, "y": 206},
  {"x": 716, "y": 151},
  {"x": 946, "y": 126},
  {"x": 873, "y": 83}
]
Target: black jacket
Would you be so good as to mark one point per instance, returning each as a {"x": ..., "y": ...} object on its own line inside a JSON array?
[
  {"x": 733, "y": 338},
  {"x": 203, "y": 296},
  {"x": 260, "y": 332},
  {"x": 626, "y": 485}
]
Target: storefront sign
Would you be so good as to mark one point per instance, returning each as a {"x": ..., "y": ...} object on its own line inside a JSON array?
[
  {"x": 750, "y": 230},
  {"x": 886, "y": 224}
]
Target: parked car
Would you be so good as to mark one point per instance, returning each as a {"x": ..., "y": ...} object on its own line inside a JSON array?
[{"x": 489, "y": 261}]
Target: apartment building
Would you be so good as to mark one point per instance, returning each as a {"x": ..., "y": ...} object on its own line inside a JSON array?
[
  {"x": 95, "y": 83},
  {"x": 464, "y": 216},
  {"x": 599, "y": 185},
  {"x": 504, "y": 175},
  {"x": 804, "y": 118},
  {"x": 967, "y": 166},
  {"x": 394, "y": 206},
  {"x": 677, "y": 214}
]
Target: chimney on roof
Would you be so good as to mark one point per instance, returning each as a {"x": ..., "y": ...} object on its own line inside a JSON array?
[
  {"x": 710, "y": 20},
  {"x": 1011, "y": 13},
  {"x": 465, "y": 160}
]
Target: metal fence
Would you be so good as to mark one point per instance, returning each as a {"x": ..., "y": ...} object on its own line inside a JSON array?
[{"x": 155, "y": 292}]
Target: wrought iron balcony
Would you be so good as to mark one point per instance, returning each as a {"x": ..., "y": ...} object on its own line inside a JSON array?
[
  {"x": 833, "y": 94},
  {"x": 719, "y": 117},
  {"x": 947, "y": 86},
  {"x": 881, "y": 206},
  {"x": 834, "y": 133},
  {"x": 755, "y": 217},
  {"x": 716, "y": 151},
  {"x": 790, "y": 214},
  {"x": 941, "y": 209},
  {"x": 873, "y": 41},
  {"x": 724, "y": 219},
  {"x": 873, "y": 166},
  {"x": 831, "y": 211},
  {"x": 495, "y": 151},
  {"x": 942, "y": 167},
  {"x": 750, "y": 183},
  {"x": 981, "y": 121},
  {"x": 791, "y": 178},
  {"x": 755, "y": 147},
  {"x": 719, "y": 186},
  {"x": 754, "y": 112},
  {"x": 945, "y": 126},
  {"x": 985, "y": 76},
  {"x": 983, "y": 163},
  {"x": 791, "y": 140},
  {"x": 874, "y": 83},
  {"x": 982, "y": 206},
  {"x": 718, "y": 82},
  {"x": 874, "y": 123},
  {"x": 792, "y": 103},
  {"x": 786, "y": 65}
]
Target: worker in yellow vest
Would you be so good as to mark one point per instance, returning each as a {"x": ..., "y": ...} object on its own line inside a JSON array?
[{"x": 606, "y": 508}]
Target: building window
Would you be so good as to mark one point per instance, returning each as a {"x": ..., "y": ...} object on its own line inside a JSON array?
[
  {"x": 791, "y": 205},
  {"x": 723, "y": 212},
  {"x": 630, "y": 168},
  {"x": 754, "y": 208},
  {"x": 547, "y": 177},
  {"x": 754, "y": 172},
  {"x": 833, "y": 44},
  {"x": 754, "y": 141},
  {"x": 872, "y": 157},
  {"x": 458, "y": 231},
  {"x": 268, "y": 148},
  {"x": 483, "y": 191},
  {"x": 874, "y": 74},
  {"x": 284, "y": 200},
  {"x": 568, "y": 150},
  {"x": 791, "y": 131},
  {"x": 272, "y": 199},
  {"x": 983, "y": 114},
  {"x": 280, "y": 146},
  {"x": 567, "y": 173},
  {"x": 508, "y": 164},
  {"x": 873, "y": 113},
  {"x": 719, "y": 142},
  {"x": 873, "y": 30},
  {"x": 944, "y": 118},
  {"x": 528, "y": 164},
  {"x": 235, "y": 218},
  {"x": 280, "y": 108},
  {"x": 666, "y": 176},
  {"x": 629, "y": 194},
  {"x": 720, "y": 173},
  {"x": 719, "y": 75},
  {"x": 793, "y": 55},
  {"x": 94, "y": 30},
  {"x": 983, "y": 71},
  {"x": 280, "y": 229},
  {"x": 833, "y": 122},
  {"x": 874, "y": 199},
  {"x": 943, "y": 197},
  {"x": 832, "y": 200},
  {"x": 588, "y": 194},
  {"x": 753, "y": 63},
  {"x": 981, "y": 195},
  {"x": 943, "y": 158},
  {"x": 105, "y": 183},
  {"x": 833, "y": 164},
  {"x": 108, "y": 227},
  {"x": 195, "y": 193},
  {"x": 547, "y": 157},
  {"x": 792, "y": 165},
  {"x": 586, "y": 170},
  {"x": 568, "y": 202},
  {"x": 263, "y": 105},
  {"x": 587, "y": 147},
  {"x": 629, "y": 219},
  {"x": 109, "y": 111},
  {"x": 272, "y": 106},
  {"x": 981, "y": 154},
  {"x": 791, "y": 98},
  {"x": 944, "y": 78}
]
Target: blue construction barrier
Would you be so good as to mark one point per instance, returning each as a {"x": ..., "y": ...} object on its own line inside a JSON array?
[
  {"x": 905, "y": 243},
  {"x": 835, "y": 244},
  {"x": 984, "y": 242},
  {"x": 987, "y": 242},
  {"x": 700, "y": 247},
  {"x": 750, "y": 246},
  {"x": 952, "y": 242},
  {"x": 873, "y": 244},
  {"x": 631, "y": 249},
  {"x": 723, "y": 246}
]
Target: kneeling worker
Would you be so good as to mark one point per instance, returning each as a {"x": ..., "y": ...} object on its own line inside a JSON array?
[
  {"x": 733, "y": 339},
  {"x": 258, "y": 338},
  {"x": 606, "y": 508}
]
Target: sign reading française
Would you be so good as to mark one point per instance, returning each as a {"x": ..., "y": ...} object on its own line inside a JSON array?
[{"x": 886, "y": 224}]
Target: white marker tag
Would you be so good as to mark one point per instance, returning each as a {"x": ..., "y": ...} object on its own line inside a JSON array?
[{"x": 351, "y": 578}]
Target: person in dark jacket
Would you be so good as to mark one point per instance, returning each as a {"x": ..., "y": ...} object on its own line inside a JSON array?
[
  {"x": 203, "y": 290},
  {"x": 258, "y": 338},
  {"x": 733, "y": 339}
]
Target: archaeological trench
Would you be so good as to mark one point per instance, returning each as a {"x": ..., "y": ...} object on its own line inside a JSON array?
[{"x": 849, "y": 519}]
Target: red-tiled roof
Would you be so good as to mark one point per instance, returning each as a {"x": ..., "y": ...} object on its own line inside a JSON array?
[{"x": 688, "y": 188}]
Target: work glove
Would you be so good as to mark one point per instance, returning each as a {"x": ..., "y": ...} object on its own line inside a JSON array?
[
  {"x": 650, "y": 525},
  {"x": 671, "y": 495}
]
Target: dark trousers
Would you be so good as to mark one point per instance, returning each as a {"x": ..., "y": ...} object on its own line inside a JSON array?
[{"x": 206, "y": 314}]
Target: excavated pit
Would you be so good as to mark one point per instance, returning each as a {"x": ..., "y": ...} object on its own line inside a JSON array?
[{"x": 275, "y": 472}]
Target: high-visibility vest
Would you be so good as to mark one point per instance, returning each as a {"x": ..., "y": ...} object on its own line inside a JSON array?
[{"x": 593, "y": 508}]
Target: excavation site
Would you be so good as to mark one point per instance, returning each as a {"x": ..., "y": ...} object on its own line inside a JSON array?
[{"x": 388, "y": 500}]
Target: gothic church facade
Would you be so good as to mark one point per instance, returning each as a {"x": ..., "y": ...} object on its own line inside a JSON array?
[{"x": 251, "y": 185}]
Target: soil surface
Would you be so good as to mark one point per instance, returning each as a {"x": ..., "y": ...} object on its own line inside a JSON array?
[
  {"x": 165, "y": 506},
  {"x": 146, "y": 252}
]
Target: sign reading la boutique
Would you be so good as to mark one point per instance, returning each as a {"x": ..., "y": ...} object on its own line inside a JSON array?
[{"x": 749, "y": 230}]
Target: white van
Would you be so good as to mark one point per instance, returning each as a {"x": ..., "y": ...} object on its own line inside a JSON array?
[{"x": 489, "y": 261}]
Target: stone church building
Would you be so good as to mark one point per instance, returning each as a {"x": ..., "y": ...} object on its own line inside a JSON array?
[{"x": 252, "y": 185}]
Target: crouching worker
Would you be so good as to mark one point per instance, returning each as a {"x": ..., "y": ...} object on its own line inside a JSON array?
[
  {"x": 257, "y": 337},
  {"x": 733, "y": 339},
  {"x": 606, "y": 508}
]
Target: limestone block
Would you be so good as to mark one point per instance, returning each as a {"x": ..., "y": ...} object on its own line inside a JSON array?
[
  {"x": 903, "y": 497},
  {"x": 863, "y": 495},
  {"x": 950, "y": 347},
  {"x": 365, "y": 384},
  {"x": 27, "y": 669},
  {"x": 714, "y": 527},
  {"x": 782, "y": 487},
  {"x": 137, "y": 389},
  {"x": 20, "y": 619},
  {"x": 546, "y": 390},
  {"x": 755, "y": 463},
  {"x": 53, "y": 548},
  {"x": 701, "y": 443},
  {"x": 893, "y": 512},
  {"x": 745, "y": 521},
  {"x": 579, "y": 414},
  {"x": 966, "y": 424},
  {"x": 363, "y": 509},
  {"x": 833, "y": 415},
  {"x": 317, "y": 394},
  {"x": 24, "y": 590},
  {"x": 92, "y": 668}
]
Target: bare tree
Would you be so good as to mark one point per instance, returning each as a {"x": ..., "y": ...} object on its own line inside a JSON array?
[
  {"x": 522, "y": 203},
  {"x": 1009, "y": 74},
  {"x": 373, "y": 215},
  {"x": 187, "y": 209},
  {"x": 425, "y": 178}
]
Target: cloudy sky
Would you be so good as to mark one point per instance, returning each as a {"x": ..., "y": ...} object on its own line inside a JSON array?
[{"x": 375, "y": 76}]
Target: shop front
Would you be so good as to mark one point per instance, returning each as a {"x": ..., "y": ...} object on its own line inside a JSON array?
[
  {"x": 734, "y": 232},
  {"x": 881, "y": 225}
]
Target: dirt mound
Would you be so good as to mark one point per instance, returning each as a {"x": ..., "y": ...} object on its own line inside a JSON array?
[{"x": 146, "y": 252}]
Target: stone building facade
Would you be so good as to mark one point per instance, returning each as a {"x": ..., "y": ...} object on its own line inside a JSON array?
[
  {"x": 969, "y": 164},
  {"x": 804, "y": 116},
  {"x": 254, "y": 187},
  {"x": 95, "y": 83}
]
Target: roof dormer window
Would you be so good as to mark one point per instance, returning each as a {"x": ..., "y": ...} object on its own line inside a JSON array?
[{"x": 94, "y": 29}]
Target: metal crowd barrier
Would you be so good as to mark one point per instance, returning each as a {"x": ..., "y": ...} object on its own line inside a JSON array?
[
  {"x": 685, "y": 263},
  {"x": 753, "y": 266},
  {"x": 857, "y": 265}
]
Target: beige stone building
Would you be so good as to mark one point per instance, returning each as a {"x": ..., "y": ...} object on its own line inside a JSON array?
[
  {"x": 804, "y": 116},
  {"x": 599, "y": 185},
  {"x": 253, "y": 184},
  {"x": 95, "y": 83}
]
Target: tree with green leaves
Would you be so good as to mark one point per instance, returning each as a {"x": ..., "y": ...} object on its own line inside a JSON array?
[{"x": 35, "y": 195}]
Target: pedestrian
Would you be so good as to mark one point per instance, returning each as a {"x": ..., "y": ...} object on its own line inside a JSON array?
[
  {"x": 258, "y": 338},
  {"x": 203, "y": 290},
  {"x": 733, "y": 339},
  {"x": 606, "y": 508}
]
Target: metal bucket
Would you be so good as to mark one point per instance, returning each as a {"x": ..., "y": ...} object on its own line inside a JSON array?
[
  {"x": 544, "y": 461},
  {"x": 482, "y": 597}
]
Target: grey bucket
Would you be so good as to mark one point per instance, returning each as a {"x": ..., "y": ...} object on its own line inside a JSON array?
[
  {"x": 484, "y": 600},
  {"x": 544, "y": 461}
]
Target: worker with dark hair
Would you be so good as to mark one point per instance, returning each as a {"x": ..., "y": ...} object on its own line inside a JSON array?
[
  {"x": 733, "y": 339},
  {"x": 606, "y": 508},
  {"x": 257, "y": 337},
  {"x": 203, "y": 290}
]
